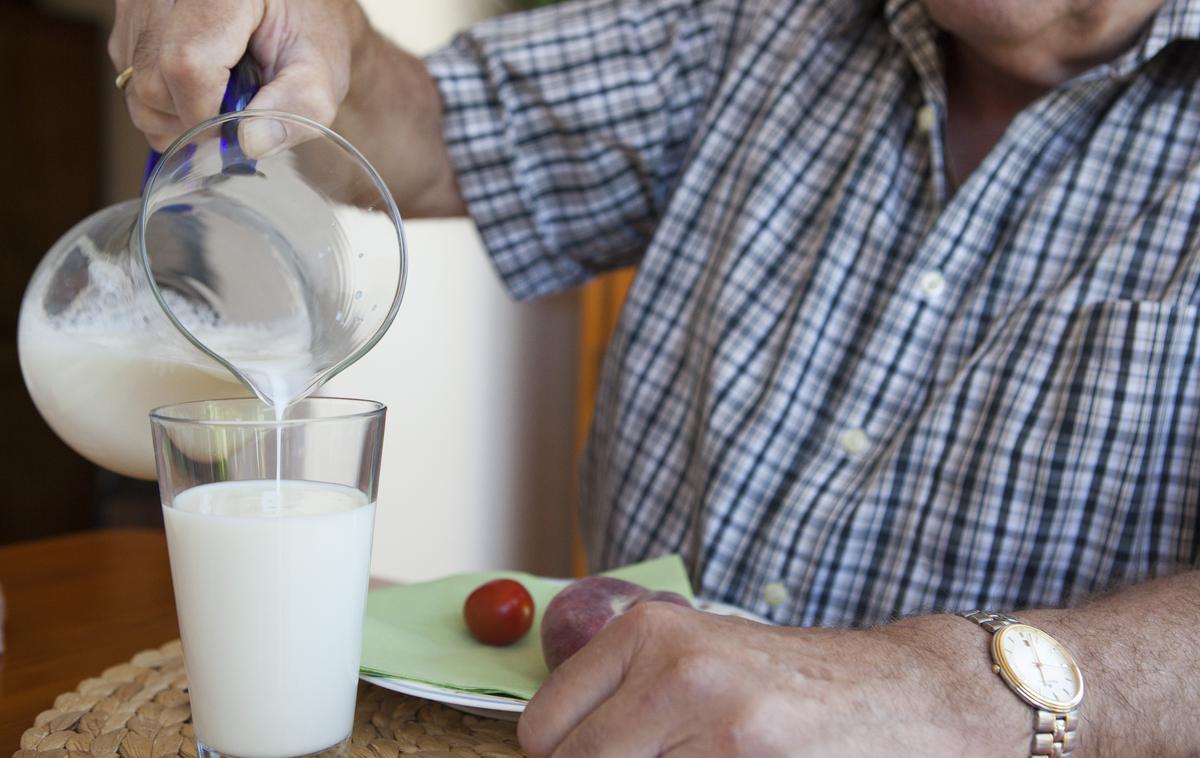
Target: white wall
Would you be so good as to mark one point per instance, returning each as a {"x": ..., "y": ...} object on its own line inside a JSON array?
[
  {"x": 420, "y": 26},
  {"x": 478, "y": 468},
  {"x": 478, "y": 463}
]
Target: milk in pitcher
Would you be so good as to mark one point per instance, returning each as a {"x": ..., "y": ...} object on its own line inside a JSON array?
[
  {"x": 96, "y": 390},
  {"x": 97, "y": 368}
]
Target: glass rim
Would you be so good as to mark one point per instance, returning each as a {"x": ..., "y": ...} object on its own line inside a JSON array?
[
  {"x": 366, "y": 409},
  {"x": 385, "y": 194}
]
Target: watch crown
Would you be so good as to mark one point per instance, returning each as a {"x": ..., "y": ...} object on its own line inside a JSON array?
[{"x": 995, "y": 668}]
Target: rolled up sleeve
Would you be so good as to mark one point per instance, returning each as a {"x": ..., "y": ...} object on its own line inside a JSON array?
[{"x": 567, "y": 127}]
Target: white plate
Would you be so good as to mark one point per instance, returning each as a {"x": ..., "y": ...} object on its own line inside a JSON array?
[{"x": 509, "y": 708}]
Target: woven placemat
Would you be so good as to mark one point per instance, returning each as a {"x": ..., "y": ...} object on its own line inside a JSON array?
[{"x": 140, "y": 710}]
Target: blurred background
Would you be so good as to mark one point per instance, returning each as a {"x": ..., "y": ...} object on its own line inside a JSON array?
[{"x": 488, "y": 400}]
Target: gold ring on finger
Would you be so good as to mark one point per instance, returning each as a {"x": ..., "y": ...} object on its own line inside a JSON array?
[{"x": 123, "y": 78}]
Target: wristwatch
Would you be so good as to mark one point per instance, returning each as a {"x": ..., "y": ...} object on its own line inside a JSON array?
[{"x": 1040, "y": 670}]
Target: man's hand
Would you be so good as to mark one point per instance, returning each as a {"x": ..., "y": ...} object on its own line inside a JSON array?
[
  {"x": 319, "y": 58},
  {"x": 668, "y": 681},
  {"x": 181, "y": 53}
]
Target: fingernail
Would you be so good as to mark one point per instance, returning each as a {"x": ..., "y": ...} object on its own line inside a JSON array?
[{"x": 262, "y": 137}]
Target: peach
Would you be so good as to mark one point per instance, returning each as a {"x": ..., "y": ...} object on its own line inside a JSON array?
[{"x": 583, "y": 608}]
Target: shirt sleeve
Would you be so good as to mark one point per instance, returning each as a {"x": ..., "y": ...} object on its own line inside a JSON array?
[{"x": 568, "y": 125}]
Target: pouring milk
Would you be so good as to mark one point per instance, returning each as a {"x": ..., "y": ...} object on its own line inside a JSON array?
[
  {"x": 233, "y": 273},
  {"x": 98, "y": 352}
]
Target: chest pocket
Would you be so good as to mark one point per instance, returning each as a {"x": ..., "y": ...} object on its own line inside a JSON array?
[{"x": 1095, "y": 410}]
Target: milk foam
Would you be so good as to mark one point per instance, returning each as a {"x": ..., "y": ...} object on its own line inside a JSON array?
[
  {"x": 109, "y": 306},
  {"x": 96, "y": 368}
]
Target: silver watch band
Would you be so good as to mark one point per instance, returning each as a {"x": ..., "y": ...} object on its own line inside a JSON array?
[{"x": 1055, "y": 734}]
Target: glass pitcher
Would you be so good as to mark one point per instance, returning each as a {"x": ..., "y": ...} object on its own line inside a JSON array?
[{"x": 270, "y": 272}]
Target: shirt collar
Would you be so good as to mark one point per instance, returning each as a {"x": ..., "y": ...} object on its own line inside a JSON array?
[
  {"x": 910, "y": 25},
  {"x": 1176, "y": 21}
]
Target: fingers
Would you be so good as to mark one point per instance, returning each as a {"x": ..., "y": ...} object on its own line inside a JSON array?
[
  {"x": 201, "y": 41},
  {"x": 304, "y": 87},
  {"x": 130, "y": 19},
  {"x": 150, "y": 109},
  {"x": 588, "y": 679},
  {"x": 181, "y": 53},
  {"x": 630, "y": 724},
  {"x": 575, "y": 688},
  {"x": 160, "y": 127},
  {"x": 147, "y": 97}
]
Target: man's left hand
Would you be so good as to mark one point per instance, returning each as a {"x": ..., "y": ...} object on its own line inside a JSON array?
[{"x": 668, "y": 681}]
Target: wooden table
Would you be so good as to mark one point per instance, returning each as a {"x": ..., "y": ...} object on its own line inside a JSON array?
[{"x": 77, "y": 605}]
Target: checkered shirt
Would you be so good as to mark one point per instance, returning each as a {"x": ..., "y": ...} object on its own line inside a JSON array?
[{"x": 842, "y": 389}]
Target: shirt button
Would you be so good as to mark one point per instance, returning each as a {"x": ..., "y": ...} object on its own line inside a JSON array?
[
  {"x": 932, "y": 283},
  {"x": 926, "y": 119},
  {"x": 775, "y": 594},
  {"x": 854, "y": 441}
]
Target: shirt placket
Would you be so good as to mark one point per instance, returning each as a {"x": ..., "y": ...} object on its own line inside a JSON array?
[
  {"x": 861, "y": 442},
  {"x": 931, "y": 292},
  {"x": 916, "y": 36}
]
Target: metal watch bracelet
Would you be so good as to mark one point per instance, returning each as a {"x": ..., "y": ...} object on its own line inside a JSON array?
[{"x": 1055, "y": 734}]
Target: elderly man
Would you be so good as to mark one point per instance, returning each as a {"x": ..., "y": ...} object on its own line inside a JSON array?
[{"x": 914, "y": 331}]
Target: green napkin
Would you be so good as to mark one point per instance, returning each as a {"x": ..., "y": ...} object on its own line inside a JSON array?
[{"x": 416, "y": 631}]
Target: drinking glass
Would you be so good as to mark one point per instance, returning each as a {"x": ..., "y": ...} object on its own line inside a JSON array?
[{"x": 269, "y": 524}]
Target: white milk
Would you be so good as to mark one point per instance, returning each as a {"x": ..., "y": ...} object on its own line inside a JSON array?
[
  {"x": 96, "y": 369},
  {"x": 96, "y": 390},
  {"x": 270, "y": 586}
]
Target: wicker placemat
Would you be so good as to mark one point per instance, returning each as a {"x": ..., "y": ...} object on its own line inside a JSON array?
[{"x": 140, "y": 710}]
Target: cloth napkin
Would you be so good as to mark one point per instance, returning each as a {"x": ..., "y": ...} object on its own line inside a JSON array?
[{"x": 416, "y": 631}]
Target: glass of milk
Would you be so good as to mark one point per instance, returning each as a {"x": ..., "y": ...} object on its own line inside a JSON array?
[{"x": 269, "y": 519}]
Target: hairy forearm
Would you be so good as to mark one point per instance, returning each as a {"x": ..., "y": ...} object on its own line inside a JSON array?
[
  {"x": 393, "y": 114},
  {"x": 1137, "y": 648}
]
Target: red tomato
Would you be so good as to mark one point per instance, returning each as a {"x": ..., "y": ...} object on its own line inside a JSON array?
[{"x": 499, "y": 612}]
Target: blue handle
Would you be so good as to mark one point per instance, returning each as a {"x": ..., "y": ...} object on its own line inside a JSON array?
[{"x": 244, "y": 81}]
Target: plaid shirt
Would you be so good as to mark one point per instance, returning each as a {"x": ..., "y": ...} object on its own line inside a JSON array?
[{"x": 842, "y": 390}]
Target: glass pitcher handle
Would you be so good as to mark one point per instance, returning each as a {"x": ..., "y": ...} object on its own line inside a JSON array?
[{"x": 244, "y": 80}]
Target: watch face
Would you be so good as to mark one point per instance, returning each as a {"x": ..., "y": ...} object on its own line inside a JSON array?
[{"x": 1038, "y": 667}]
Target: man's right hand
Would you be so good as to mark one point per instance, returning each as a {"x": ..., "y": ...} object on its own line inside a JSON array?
[
  {"x": 319, "y": 59},
  {"x": 181, "y": 53}
]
